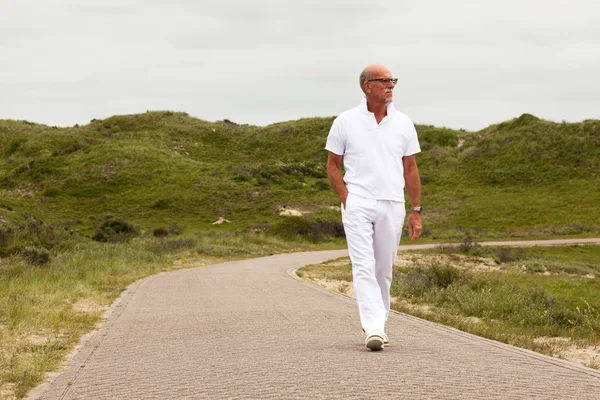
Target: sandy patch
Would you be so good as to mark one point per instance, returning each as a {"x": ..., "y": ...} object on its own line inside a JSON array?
[
  {"x": 588, "y": 356},
  {"x": 290, "y": 212},
  {"x": 38, "y": 339},
  {"x": 562, "y": 347},
  {"x": 220, "y": 221},
  {"x": 28, "y": 191},
  {"x": 334, "y": 285},
  {"x": 7, "y": 391}
]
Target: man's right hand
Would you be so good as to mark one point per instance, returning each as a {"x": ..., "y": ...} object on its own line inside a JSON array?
[{"x": 344, "y": 199}]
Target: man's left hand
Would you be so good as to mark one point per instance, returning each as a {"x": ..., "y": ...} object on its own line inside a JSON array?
[{"x": 414, "y": 226}]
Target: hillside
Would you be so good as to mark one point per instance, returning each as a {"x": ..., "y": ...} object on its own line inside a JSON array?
[{"x": 522, "y": 178}]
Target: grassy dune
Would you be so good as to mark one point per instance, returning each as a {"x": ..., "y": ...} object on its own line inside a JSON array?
[{"x": 521, "y": 178}]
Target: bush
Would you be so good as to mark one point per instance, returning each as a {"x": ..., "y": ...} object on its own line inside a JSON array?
[
  {"x": 442, "y": 276},
  {"x": 160, "y": 232},
  {"x": 505, "y": 255},
  {"x": 467, "y": 243},
  {"x": 36, "y": 256},
  {"x": 115, "y": 231},
  {"x": 322, "y": 184}
]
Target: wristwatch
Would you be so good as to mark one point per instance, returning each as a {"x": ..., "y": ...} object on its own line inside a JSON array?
[{"x": 417, "y": 209}]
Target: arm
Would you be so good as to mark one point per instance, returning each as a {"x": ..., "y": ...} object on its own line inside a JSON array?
[
  {"x": 334, "y": 173},
  {"x": 413, "y": 186}
]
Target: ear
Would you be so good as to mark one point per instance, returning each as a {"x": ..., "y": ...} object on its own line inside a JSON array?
[{"x": 367, "y": 86}]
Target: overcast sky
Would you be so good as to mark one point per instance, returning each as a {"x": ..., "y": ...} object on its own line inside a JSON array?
[{"x": 460, "y": 64}]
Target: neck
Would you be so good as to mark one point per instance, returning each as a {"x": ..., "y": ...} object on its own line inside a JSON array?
[{"x": 379, "y": 108}]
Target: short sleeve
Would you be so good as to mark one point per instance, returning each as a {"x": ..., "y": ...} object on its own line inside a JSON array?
[
  {"x": 336, "y": 140},
  {"x": 412, "y": 143}
]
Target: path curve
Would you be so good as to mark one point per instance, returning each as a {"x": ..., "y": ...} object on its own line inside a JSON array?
[{"x": 253, "y": 330}]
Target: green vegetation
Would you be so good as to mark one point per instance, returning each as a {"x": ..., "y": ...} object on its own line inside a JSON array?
[
  {"x": 521, "y": 178},
  {"x": 86, "y": 210},
  {"x": 527, "y": 297}
]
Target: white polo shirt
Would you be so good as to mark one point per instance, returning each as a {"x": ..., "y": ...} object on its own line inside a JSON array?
[{"x": 373, "y": 152}]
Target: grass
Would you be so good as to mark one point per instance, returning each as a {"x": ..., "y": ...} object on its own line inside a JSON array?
[{"x": 506, "y": 300}]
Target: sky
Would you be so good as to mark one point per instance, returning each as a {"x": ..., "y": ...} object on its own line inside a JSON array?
[{"x": 460, "y": 64}]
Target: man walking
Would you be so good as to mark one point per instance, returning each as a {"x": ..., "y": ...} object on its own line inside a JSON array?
[{"x": 377, "y": 144}]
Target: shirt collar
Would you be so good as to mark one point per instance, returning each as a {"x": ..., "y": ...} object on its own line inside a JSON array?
[{"x": 391, "y": 110}]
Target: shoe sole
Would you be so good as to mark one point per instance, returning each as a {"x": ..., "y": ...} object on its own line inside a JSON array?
[
  {"x": 385, "y": 342},
  {"x": 375, "y": 343}
]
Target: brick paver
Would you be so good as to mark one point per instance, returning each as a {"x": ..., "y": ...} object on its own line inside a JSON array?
[{"x": 251, "y": 330}]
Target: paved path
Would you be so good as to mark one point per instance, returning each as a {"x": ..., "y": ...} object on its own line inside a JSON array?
[{"x": 252, "y": 330}]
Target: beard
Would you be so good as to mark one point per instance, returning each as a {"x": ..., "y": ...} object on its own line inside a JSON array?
[{"x": 388, "y": 100}]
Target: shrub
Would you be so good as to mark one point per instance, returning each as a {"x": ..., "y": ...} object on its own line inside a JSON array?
[
  {"x": 467, "y": 243},
  {"x": 505, "y": 255},
  {"x": 160, "y": 232},
  {"x": 322, "y": 184},
  {"x": 442, "y": 276},
  {"x": 115, "y": 231},
  {"x": 36, "y": 255}
]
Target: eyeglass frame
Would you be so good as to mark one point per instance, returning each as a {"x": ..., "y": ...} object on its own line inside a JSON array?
[{"x": 385, "y": 81}]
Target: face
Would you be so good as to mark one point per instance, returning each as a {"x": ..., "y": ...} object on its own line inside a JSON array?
[{"x": 380, "y": 85}]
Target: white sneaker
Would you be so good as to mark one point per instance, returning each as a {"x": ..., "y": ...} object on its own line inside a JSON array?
[
  {"x": 386, "y": 341},
  {"x": 375, "y": 340}
]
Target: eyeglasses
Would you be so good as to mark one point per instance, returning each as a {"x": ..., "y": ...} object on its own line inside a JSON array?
[{"x": 385, "y": 81}]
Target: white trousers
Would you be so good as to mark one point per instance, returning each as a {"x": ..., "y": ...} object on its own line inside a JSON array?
[{"x": 373, "y": 229}]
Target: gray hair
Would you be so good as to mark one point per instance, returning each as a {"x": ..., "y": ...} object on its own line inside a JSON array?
[{"x": 366, "y": 74}]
